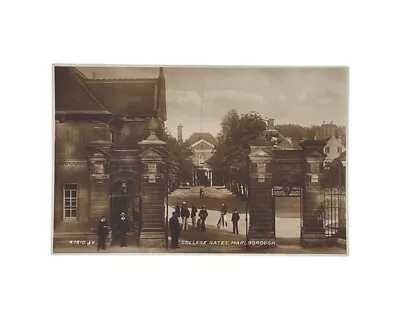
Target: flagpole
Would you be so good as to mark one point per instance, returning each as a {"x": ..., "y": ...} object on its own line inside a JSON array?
[{"x": 201, "y": 111}]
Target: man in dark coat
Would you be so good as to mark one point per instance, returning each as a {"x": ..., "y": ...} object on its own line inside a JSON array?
[
  {"x": 203, "y": 214},
  {"x": 102, "y": 231},
  {"x": 175, "y": 230},
  {"x": 235, "y": 219},
  {"x": 178, "y": 210},
  {"x": 193, "y": 216},
  {"x": 123, "y": 228}
]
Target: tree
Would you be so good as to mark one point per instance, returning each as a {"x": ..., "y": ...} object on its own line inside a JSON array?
[
  {"x": 179, "y": 165},
  {"x": 230, "y": 159}
]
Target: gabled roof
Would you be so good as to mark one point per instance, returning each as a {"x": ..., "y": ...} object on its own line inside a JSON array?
[
  {"x": 202, "y": 144},
  {"x": 72, "y": 95},
  {"x": 126, "y": 97},
  {"x": 206, "y": 136}
]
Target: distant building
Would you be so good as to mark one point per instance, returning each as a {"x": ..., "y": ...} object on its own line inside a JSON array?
[
  {"x": 202, "y": 144},
  {"x": 327, "y": 141}
]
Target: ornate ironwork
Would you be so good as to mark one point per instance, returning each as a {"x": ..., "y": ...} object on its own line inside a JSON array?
[{"x": 287, "y": 191}]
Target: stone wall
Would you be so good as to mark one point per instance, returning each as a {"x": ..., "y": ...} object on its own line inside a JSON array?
[
  {"x": 131, "y": 133},
  {"x": 72, "y": 138},
  {"x": 72, "y": 173}
]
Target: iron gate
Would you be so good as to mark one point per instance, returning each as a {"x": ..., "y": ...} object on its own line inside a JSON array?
[
  {"x": 335, "y": 212},
  {"x": 288, "y": 192}
]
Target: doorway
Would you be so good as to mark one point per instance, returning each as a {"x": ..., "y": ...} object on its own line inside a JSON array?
[{"x": 125, "y": 197}]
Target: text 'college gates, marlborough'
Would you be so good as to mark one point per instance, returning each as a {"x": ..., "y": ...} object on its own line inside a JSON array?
[{"x": 293, "y": 173}]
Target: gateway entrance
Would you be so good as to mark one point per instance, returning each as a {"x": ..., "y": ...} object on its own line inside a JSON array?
[
  {"x": 125, "y": 197},
  {"x": 288, "y": 216}
]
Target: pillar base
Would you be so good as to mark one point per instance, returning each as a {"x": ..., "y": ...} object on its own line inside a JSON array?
[
  {"x": 152, "y": 240},
  {"x": 313, "y": 240},
  {"x": 342, "y": 243},
  {"x": 266, "y": 235},
  {"x": 260, "y": 241}
]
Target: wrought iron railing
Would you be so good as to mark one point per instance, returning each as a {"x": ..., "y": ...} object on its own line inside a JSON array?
[{"x": 334, "y": 212}]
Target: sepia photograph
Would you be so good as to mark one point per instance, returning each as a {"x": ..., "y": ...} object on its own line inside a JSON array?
[
  {"x": 200, "y": 159},
  {"x": 165, "y": 142}
]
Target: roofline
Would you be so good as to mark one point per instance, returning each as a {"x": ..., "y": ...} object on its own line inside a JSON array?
[
  {"x": 88, "y": 112},
  {"x": 79, "y": 73},
  {"x": 116, "y": 80},
  {"x": 81, "y": 81},
  {"x": 202, "y": 133},
  {"x": 199, "y": 141}
]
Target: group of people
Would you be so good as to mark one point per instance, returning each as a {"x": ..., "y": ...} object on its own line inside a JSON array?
[
  {"x": 183, "y": 212},
  {"x": 103, "y": 230},
  {"x": 199, "y": 224},
  {"x": 223, "y": 221}
]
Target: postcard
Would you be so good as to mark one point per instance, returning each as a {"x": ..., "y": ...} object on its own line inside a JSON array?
[{"x": 200, "y": 159}]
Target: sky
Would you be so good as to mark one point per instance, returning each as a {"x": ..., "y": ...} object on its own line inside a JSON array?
[{"x": 304, "y": 96}]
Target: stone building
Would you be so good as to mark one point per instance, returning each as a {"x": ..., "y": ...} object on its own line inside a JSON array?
[
  {"x": 108, "y": 158},
  {"x": 327, "y": 141},
  {"x": 202, "y": 144}
]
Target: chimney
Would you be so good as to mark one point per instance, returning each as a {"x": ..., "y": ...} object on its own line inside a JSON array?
[
  {"x": 331, "y": 132},
  {"x": 180, "y": 133},
  {"x": 270, "y": 124}
]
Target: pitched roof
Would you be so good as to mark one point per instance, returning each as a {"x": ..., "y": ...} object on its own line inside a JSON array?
[
  {"x": 314, "y": 143},
  {"x": 126, "y": 97},
  {"x": 72, "y": 95},
  {"x": 206, "y": 136}
]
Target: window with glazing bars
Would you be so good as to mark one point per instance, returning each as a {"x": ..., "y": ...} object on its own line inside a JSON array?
[{"x": 70, "y": 200}]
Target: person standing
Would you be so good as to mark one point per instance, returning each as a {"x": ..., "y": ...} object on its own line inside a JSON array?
[
  {"x": 175, "y": 230},
  {"x": 185, "y": 214},
  {"x": 193, "y": 216},
  {"x": 223, "y": 211},
  {"x": 203, "y": 214},
  {"x": 235, "y": 219},
  {"x": 123, "y": 227},
  {"x": 201, "y": 193},
  {"x": 102, "y": 231},
  {"x": 178, "y": 210}
]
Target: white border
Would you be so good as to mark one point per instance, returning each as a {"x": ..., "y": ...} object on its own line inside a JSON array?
[{"x": 361, "y": 35}]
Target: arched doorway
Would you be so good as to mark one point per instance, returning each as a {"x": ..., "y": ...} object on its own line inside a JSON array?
[{"x": 125, "y": 196}]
